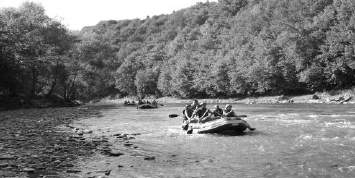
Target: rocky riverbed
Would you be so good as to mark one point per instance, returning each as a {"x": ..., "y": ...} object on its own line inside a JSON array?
[{"x": 41, "y": 142}]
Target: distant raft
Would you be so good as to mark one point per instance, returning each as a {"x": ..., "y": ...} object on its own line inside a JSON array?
[
  {"x": 130, "y": 104},
  {"x": 220, "y": 125},
  {"x": 147, "y": 106}
]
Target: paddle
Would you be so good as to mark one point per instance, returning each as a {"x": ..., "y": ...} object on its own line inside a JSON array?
[{"x": 189, "y": 130}]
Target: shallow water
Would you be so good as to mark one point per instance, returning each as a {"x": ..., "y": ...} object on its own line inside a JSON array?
[{"x": 296, "y": 140}]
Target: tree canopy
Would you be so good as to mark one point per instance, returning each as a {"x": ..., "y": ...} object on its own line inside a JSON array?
[{"x": 214, "y": 49}]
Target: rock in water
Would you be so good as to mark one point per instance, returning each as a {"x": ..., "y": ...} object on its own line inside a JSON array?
[
  {"x": 73, "y": 171},
  {"x": 108, "y": 172},
  {"x": 115, "y": 153},
  {"x": 149, "y": 158},
  {"x": 127, "y": 144}
]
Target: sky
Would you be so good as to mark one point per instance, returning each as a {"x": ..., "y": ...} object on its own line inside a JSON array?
[{"x": 76, "y": 14}]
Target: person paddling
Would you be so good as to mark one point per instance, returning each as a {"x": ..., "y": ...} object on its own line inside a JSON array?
[
  {"x": 187, "y": 116},
  {"x": 195, "y": 105},
  {"x": 202, "y": 114},
  {"x": 228, "y": 112},
  {"x": 217, "y": 111}
]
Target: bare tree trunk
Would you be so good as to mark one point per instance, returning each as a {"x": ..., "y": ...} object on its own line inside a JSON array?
[
  {"x": 34, "y": 82},
  {"x": 54, "y": 83}
]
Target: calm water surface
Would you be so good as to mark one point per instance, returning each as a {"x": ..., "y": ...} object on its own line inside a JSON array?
[{"x": 296, "y": 140}]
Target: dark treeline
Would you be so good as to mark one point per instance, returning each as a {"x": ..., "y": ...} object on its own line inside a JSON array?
[{"x": 215, "y": 49}]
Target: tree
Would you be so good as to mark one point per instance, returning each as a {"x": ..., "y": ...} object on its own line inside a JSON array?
[{"x": 146, "y": 83}]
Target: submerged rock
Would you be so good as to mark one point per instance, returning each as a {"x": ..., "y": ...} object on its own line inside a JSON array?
[
  {"x": 115, "y": 153},
  {"x": 73, "y": 171},
  {"x": 127, "y": 144},
  {"x": 149, "y": 158},
  {"x": 108, "y": 172}
]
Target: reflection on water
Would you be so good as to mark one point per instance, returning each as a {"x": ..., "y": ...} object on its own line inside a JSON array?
[{"x": 298, "y": 140}]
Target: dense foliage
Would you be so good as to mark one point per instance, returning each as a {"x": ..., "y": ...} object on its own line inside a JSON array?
[
  {"x": 215, "y": 49},
  {"x": 33, "y": 53}
]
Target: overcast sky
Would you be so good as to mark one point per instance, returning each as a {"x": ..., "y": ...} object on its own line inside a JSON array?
[{"x": 76, "y": 14}]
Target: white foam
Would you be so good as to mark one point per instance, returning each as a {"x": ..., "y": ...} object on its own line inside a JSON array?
[
  {"x": 309, "y": 137},
  {"x": 341, "y": 115},
  {"x": 340, "y": 123},
  {"x": 313, "y": 116},
  {"x": 288, "y": 119},
  {"x": 304, "y": 137},
  {"x": 330, "y": 139},
  {"x": 347, "y": 169}
]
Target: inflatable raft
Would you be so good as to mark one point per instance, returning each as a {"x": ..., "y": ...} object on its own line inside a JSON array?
[
  {"x": 220, "y": 125},
  {"x": 147, "y": 106}
]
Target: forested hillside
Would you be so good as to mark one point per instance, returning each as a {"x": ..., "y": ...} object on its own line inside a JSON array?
[{"x": 215, "y": 49}]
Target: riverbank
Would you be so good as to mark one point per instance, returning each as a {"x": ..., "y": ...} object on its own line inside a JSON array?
[
  {"x": 335, "y": 97},
  {"x": 18, "y": 102},
  {"x": 42, "y": 142}
]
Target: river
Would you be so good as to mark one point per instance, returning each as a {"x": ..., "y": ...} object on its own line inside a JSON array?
[{"x": 291, "y": 140}]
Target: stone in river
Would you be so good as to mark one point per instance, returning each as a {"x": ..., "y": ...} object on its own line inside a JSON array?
[
  {"x": 128, "y": 144},
  {"x": 69, "y": 165},
  {"x": 108, "y": 172},
  {"x": 88, "y": 131},
  {"x": 149, "y": 158},
  {"x": 115, "y": 153},
  {"x": 73, "y": 171}
]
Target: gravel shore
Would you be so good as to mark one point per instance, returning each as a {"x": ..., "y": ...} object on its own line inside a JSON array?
[{"x": 41, "y": 142}]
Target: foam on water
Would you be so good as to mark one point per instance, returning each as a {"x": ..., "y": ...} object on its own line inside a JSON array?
[
  {"x": 313, "y": 116},
  {"x": 305, "y": 137},
  {"x": 340, "y": 123},
  {"x": 308, "y": 137},
  {"x": 341, "y": 115},
  {"x": 347, "y": 169},
  {"x": 286, "y": 119}
]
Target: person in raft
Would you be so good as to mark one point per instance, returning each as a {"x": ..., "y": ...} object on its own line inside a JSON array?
[
  {"x": 187, "y": 116},
  {"x": 194, "y": 105},
  {"x": 202, "y": 114},
  {"x": 217, "y": 111},
  {"x": 155, "y": 103},
  {"x": 228, "y": 112}
]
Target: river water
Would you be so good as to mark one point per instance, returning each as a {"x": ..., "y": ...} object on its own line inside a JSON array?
[{"x": 295, "y": 140}]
